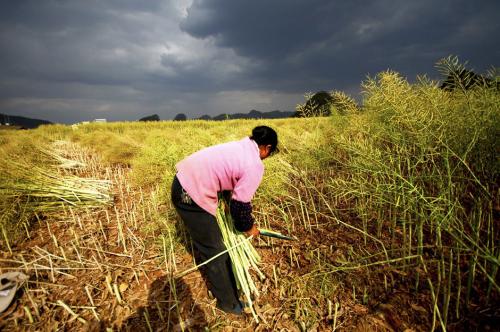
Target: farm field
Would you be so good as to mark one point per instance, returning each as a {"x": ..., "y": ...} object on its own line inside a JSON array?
[{"x": 395, "y": 206}]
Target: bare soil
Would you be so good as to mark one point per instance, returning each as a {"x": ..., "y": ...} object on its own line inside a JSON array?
[{"x": 101, "y": 269}]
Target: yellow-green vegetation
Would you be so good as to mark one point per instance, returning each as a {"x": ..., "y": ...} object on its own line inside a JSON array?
[{"x": 400, "y": 194}]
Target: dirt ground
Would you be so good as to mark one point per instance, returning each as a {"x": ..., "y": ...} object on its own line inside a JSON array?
[
  {"x": 108, "y": 269},
  {"x": 288, "y": 294}
]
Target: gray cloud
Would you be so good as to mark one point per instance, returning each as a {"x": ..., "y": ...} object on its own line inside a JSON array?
[
  {"x": 338, "y": 43},
  {"x": 74, "y": 60}
]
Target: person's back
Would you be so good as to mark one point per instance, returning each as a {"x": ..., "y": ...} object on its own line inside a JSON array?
[{"x": 234, "y": 166}]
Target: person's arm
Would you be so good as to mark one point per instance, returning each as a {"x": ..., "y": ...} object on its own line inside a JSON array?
[
  {"x": 240, "y": 206},
  {"x": 242, "y": 216}
]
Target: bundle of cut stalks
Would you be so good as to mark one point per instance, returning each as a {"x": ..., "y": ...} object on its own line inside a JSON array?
[
  {"x": 37, "y": 189},
  {"x": 28, "y": 190},
  {"x": 63, "y": 162},
  {"x": 243, "y": 255}
]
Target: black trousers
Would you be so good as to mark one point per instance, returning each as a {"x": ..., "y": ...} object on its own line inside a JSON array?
[{"x": 207, "y": 239}]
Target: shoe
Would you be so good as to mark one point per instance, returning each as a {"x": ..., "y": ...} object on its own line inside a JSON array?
[
  {"x": 10, "y": 282},
  {"x": 235, "y": 309}
]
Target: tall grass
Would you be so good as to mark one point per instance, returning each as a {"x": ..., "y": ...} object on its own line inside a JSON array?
[{"x": 421, "y": 167}]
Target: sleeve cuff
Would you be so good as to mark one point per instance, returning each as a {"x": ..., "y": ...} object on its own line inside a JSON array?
[{"x": 242, "y": 215}]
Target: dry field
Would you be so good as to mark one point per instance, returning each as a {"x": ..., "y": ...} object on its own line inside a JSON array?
[{"x": 396, "y": 211}]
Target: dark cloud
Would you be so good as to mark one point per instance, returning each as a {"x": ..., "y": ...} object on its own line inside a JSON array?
[
  {"x": 123, "y": 59},
  {"x": 339, "y": 42}
]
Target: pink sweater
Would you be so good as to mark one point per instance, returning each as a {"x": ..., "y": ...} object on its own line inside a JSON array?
[{"x": 234, "y": 166}]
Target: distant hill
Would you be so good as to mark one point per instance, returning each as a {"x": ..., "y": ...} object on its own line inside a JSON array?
[
  {"x": 253, "y": 114},
  {"x": 21, "y": 121},
  {"x": 180, "y": 117},
  {"x": 153, "y": 117}
]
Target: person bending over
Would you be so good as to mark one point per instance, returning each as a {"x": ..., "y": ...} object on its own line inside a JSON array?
[{"x": 235, "y": 167}]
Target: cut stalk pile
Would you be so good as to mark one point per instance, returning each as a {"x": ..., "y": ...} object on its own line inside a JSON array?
[
  {"x": 28, "y": 190},
  {"x": 36, "y": 189},
  {"x": 243, "y": 257}
]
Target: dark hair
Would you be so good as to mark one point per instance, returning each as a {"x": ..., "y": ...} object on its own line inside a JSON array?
[{"x": 264, "y": 135}]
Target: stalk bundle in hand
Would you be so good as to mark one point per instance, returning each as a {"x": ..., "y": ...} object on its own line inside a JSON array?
[{"x": 243, "y": 256}]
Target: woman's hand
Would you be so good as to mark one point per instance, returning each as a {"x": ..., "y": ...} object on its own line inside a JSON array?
[{"x": 253, "y": 231}]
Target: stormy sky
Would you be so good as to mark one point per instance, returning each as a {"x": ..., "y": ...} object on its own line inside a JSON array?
[{"x": 73, "y": 60}]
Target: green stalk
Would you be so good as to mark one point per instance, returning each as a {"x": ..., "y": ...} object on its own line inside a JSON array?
[{"x": 242, "y": 257}]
